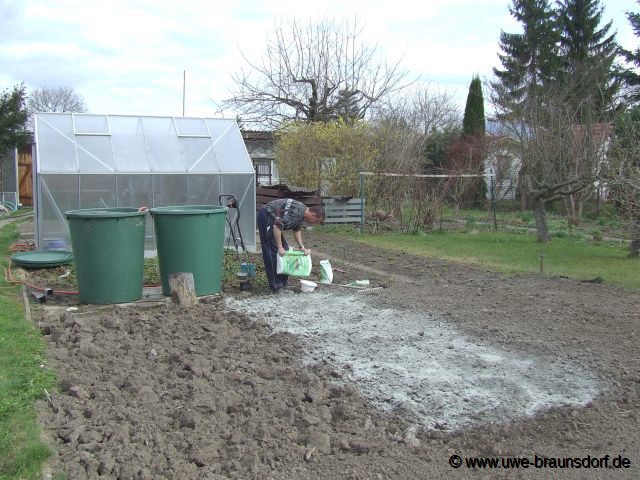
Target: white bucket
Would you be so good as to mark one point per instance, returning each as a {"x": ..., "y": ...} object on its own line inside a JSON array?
[{"x": 307, "y": 286}]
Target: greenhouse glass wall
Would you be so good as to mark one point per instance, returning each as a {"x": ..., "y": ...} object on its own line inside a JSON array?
[{"x": 93, "y": 161}]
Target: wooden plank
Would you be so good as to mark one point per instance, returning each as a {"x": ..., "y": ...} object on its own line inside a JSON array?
[
  {"x": 269, "y": 192},
  {"x": 333, "y": 201},
  {"x": 342, "y": 220},
  {"x": 346, "y": 208},
  {"x": 25, "y": 180},
  {"x": 343, "y": 213}
]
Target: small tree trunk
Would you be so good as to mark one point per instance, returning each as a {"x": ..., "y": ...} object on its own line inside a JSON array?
[
  {"x": 579, "y": 211},
  {"x": 634, "y": 248},
  {"x": 522, "y": 191},
  {"x": 573, "y": 205},
  {"x": 541, "y": 220}
]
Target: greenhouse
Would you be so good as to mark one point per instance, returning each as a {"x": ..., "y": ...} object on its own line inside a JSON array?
[{"x": 92, "y": 161}]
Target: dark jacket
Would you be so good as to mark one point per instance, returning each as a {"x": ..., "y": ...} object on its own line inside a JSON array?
[{"x": 287, "y": 213}]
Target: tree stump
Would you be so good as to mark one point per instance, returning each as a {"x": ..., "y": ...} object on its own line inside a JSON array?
[{"x": 183, "y": 288}]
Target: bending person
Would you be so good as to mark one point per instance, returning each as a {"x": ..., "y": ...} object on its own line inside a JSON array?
[{"x": 273, "y": 219}]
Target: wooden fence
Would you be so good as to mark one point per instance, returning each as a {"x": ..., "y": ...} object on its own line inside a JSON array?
[{"x": 342, "y": 211}]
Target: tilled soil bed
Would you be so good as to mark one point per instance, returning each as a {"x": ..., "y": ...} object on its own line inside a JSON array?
[{"x": 226, "y": 390}]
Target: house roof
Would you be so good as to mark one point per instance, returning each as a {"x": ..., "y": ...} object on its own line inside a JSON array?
[
  {"x": 257, "y": 135},
  {"x": 283, "y": 187},
  {"x": 599, "y": 132}
]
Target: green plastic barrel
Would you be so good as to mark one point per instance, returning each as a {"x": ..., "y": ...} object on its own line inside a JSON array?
[
  {"x": 191, "y": 239},
  {"x": 108, "y": 250}
]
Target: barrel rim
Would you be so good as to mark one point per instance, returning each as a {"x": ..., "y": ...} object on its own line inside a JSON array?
[
  {"x": 115, "y": 212},
  {"x": 188, "y": 210}
]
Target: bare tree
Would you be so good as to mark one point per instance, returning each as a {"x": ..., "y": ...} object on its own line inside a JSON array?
[
  {"x": 466, "y": 156},
  {"x": 559, "y": 157},
  {"x": 622, "y": 174},
  {"x": 55, "y": 99},
  {"x": 316, "y": 72},
  {"x": 406, "y": 128}
]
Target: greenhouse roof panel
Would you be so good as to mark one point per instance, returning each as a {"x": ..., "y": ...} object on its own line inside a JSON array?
[
  {"x": 198, "y": 154},
  {"x": 129, "y": 145},
  {"x": 95, "y": 154},
  {"x": 229, "y": 147},
  {"x": 91, "y": 124},
  {"x": 191, "y": 127},
  {"x": 55, "y": 145},
  {"x": 162, "y": 142},
  {"x": 90, "y": 143}
]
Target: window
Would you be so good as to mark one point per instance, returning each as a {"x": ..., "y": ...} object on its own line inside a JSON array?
[{"x": 264, "y": 175}]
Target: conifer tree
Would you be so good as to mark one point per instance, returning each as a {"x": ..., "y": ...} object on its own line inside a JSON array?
[
  {"x": 587, "y": 55},
  {"x": 473, "y": 122},
  {"x": 529, "y": 59},
  {"x": 472, "y": 144},
  {"x": 632, "y": 76}
]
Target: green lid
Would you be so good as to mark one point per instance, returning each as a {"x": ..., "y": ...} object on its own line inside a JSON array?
[
  {"x": 42, "y": 259},
  {"x": 105, "y": 212},
  {"x": 188, "y": 210}
]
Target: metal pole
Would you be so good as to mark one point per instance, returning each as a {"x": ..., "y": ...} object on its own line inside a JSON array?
[
  {"x": 493, "y": 201},
  {"x": 362, "y": 200},
  {"x": 184, "y": 82}
]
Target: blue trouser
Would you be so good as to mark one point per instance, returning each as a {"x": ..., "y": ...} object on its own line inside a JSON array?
[{"x": 269, "y": 249}]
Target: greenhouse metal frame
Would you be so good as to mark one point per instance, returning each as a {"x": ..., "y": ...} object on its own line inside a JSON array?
[{"x": 96, "y": 161}]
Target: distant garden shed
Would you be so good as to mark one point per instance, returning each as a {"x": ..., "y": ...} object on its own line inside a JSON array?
[{"x": 92, "y": 161}]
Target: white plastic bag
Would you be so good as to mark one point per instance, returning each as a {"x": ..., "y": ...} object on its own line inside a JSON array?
[{"x": 326, "y": 272}]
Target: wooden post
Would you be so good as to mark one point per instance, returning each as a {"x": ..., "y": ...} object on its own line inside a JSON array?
[
  {"x": 183, "y": 288},
  {"x": 362, "y": 209}
]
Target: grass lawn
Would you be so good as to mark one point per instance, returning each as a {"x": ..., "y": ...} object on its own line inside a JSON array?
[
  {"x": 516, "y": 253},
  {"x": 607, "y": 223},
  {"x": 22, "y": 381}
]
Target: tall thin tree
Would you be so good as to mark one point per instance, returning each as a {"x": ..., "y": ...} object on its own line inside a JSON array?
[
  {"x": 473, "y": 122},
  {"x": 472, "y": 146}
]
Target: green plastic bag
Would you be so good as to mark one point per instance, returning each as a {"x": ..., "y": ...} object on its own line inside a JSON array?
[{"x": 294, "y": 263}]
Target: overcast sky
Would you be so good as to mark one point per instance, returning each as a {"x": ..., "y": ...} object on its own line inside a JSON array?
[{"x": 128, "y": 56}]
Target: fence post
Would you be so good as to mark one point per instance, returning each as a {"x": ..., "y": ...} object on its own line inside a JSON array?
[
  {"x": 493, "y": 199},
  {"x": 362, "y": 203}
]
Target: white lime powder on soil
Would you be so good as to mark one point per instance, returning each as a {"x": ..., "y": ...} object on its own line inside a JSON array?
[{"x": 419, "y": 365}]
